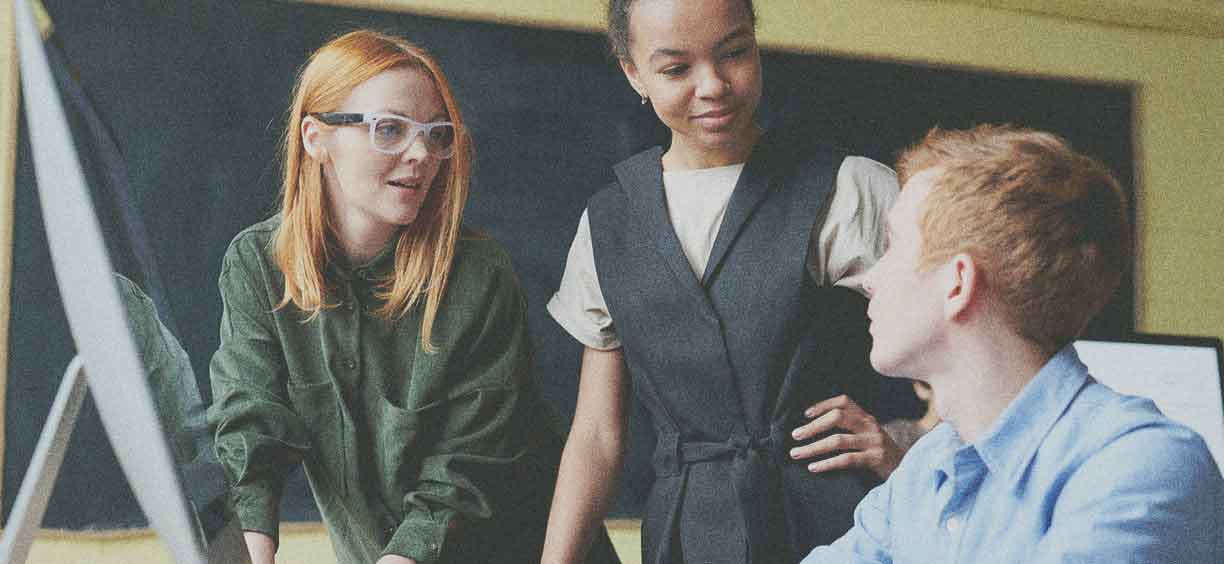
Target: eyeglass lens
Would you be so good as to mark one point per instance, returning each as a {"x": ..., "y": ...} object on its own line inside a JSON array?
[{"x": 393, "y": 135}]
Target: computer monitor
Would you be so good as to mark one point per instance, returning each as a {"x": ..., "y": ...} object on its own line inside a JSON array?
[
  {"x": 1183, "y": 375},
  {"x": 100, "y": 309}
]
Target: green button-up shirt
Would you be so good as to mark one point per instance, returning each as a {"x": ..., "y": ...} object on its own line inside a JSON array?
[{"x": 407, "y": 452}]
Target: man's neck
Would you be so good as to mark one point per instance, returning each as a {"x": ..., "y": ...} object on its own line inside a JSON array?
[{"x": 982, "y": 378}]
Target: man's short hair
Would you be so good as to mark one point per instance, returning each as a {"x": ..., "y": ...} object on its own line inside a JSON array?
[{"x": 1048, "y": 226}]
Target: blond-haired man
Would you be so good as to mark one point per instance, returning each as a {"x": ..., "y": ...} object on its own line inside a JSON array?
[{"x": 1002, "y": 245}]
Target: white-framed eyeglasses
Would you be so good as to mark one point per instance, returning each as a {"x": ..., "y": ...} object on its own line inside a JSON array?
[{"x": 391, "y": 134}]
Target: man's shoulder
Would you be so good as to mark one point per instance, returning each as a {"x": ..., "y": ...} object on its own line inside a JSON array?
[
  {"x": 1102, "y": 426},
  {"x": 1099, "y": 415},
  {"x": 1128, "y": 454}
]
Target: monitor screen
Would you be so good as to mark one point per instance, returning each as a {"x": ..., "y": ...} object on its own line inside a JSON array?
[{"x": 1181, "y": 374}]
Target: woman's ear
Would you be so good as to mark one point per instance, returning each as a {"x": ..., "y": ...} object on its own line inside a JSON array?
[
  {"x": 312, "y": 138},
  {"x": 631, "y": 73}
]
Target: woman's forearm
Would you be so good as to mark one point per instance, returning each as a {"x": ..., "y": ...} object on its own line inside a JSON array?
[{"x": 592, "y": 460}]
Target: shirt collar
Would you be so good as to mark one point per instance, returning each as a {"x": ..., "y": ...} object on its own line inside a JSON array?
[
  {"x": 1010, "y": 444},
  {"x": 372, "y": 269}
]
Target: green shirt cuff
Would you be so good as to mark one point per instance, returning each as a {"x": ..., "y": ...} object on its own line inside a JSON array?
[
  {"x": 258, "y": 509},
  {"x": 421, "y": 539}
]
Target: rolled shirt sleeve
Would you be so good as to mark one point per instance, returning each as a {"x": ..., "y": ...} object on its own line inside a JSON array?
[
  {"x": 850, "y": 239},
  {"x": 578, "y": 305}
]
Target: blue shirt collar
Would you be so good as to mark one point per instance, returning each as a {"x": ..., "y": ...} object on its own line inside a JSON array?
[{"x": 1010, "y": 444}]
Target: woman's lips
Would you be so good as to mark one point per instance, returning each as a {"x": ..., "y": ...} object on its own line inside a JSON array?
[
  {"x": 405, "y": 183},
  {"x": 715, "y": 119}
]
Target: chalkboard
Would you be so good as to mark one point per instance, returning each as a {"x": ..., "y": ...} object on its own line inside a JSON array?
[{"x": 195, "y": 95}]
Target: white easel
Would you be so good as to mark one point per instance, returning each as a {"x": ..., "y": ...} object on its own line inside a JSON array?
[{"x": 31, "y": 503}]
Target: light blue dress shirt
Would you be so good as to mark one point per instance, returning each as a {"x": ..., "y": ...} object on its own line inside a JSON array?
[{"x": 1070, "y": 472}]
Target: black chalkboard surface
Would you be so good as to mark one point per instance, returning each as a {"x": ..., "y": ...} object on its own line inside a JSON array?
[{"x": 195, "y": 93}]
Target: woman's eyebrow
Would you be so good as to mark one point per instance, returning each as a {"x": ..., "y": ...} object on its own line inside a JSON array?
[{"x": 735, "y": 34}]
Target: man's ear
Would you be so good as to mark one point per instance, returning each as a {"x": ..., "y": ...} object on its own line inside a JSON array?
[
  {"x": 312, "y": 138},
  {"x": 631, "y": 73},
  {"x": 962, "y": 283}
]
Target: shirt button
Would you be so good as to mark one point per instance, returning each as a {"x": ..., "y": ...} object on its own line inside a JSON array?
[
  {"x": 433, "y": 546},
  {"x": 952, "y": 524},
  {"x": 349, "y": 307},
  {"x": 350, "y": 364}
]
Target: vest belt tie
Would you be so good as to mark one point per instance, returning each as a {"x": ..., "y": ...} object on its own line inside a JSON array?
[{"x": 754, "y": 465}]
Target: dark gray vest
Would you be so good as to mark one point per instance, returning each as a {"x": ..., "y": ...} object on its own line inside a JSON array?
[{"x": 726, "y": 364}]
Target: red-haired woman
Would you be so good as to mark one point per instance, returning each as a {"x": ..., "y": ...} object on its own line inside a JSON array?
[{"x": 368, "y": 336}]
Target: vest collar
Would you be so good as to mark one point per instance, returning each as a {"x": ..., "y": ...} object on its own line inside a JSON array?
[{"x": 641, "y": 177}]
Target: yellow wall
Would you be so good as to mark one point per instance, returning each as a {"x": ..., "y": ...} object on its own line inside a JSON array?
[{"x": 1179, "y": 82}]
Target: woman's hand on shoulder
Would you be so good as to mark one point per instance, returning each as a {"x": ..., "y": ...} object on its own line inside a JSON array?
[{"x": 856, "y": 439}]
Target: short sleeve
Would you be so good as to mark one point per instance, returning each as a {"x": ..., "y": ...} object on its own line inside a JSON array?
[
  {"x": 578, "y": 305},
  {"x": 850, "y": 239}
]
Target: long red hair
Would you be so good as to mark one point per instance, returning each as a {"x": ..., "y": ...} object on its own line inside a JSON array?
[{"x": 305, "y": 242}]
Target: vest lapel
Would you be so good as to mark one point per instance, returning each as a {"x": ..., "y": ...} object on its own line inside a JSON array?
[
  {"x": 642, "y": 179},
  {"x": 750, "y": 190}
]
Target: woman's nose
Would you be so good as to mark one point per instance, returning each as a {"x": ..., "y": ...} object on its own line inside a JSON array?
[
  {"x": 712, "y": 83},
  {"x": 416, "y": 149}
]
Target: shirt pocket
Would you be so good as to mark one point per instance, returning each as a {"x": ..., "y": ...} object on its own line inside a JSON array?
[{"x": 398, "y": 445}]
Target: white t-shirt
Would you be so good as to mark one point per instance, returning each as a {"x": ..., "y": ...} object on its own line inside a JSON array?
[
  {"x": 696, "y": 203},
  {"x": 844, "y": 246}
]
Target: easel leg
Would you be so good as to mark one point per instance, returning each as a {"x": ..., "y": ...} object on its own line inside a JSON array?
[{"x": 31, "y": 504}]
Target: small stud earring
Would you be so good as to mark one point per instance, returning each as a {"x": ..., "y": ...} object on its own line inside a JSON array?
[{"x": 645, "y": 100}]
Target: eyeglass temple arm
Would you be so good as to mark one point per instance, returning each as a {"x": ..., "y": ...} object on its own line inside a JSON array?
[{"x": 338, "y": 118}]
